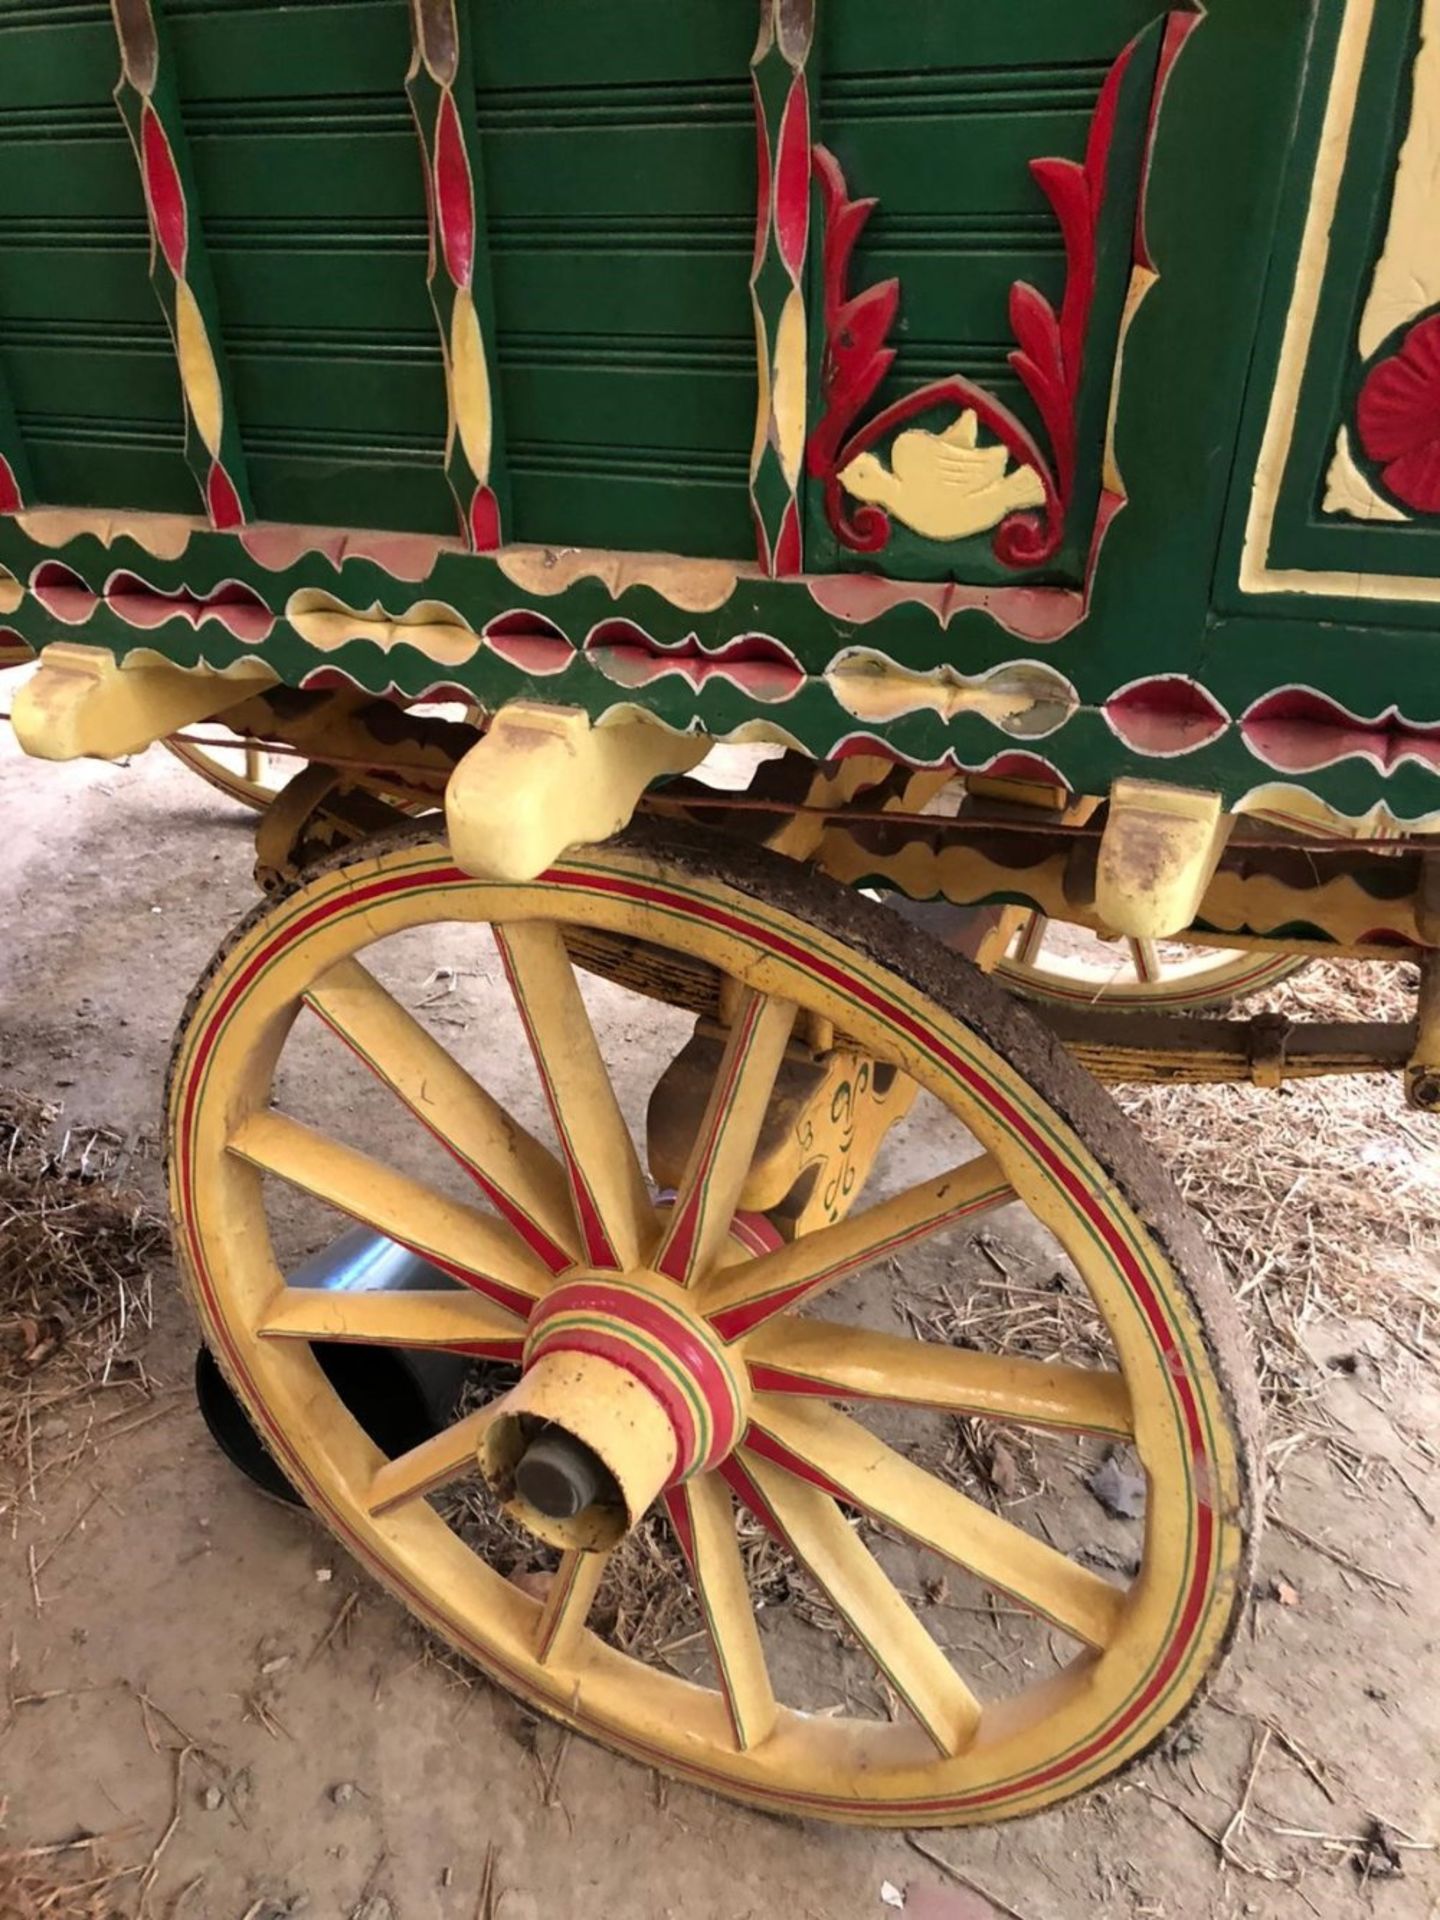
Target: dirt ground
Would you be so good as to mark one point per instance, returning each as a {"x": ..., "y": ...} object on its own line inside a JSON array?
[{"x": 171, "y": 1683}]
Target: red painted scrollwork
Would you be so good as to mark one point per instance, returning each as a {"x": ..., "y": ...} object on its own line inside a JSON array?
[{"x": 1049, "y": 355}]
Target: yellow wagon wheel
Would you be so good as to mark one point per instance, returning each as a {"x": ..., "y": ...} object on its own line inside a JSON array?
[
  {"x": 239, "y": 768},
  {"x": 1067, "y": 966},
  {"x": 670, "y": 1360}
]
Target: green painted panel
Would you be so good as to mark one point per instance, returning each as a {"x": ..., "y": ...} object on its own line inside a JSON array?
[
  {"x": 1307, "y": 539},
  {"x": 76, "y": 462},
  {"x": 668, "y": 293},
  {"x": 310, "y": 179},
  {"x": 619, "y": 154},
  {"x": 912, "y": 36},
  {"x": 83, "y": 348},
  {"x": 330, "y": 50}
]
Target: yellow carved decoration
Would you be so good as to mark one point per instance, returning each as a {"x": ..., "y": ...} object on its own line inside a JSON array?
[
  {"x": 470, "y": 385},
  {"x": 695, "y": 586},
  {"x": 430, "y": 626},
  {"x": 11, "y": 591},
  {"x": 1158, "y": 853},
  {"x": 165, "y": 535},
  {"x": 1243, "y": 908},
  {"x": 1024, "y": 698},
  {"x": 828, "y": 1115},
  {"x": 544, "y": 779},
  {"x": 83, "y": 702},
  {"x": 199, "y": 375},
  {"x": 944, "y": 486},
  {"x": 1302, "y": 812},
  {"x": 1142, "y": 279},
  {"x": 791, "y": 375}
]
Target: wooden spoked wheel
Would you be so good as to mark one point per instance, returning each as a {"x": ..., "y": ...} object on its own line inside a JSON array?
[
  {"x": 239, "y": 768},
  {"x": 1069, "y": 967},
  {"x": 670, "y": 1360}
]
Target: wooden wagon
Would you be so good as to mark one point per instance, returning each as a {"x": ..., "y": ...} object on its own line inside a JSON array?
[{"x": 1018, "y": 424}]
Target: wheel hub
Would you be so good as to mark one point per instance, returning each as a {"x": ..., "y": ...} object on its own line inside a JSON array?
[{"x": 625, "y": 1391}]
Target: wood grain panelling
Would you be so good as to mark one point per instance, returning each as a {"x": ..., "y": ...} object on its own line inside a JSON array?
[
  {"x": 83, "y": 347},
  {"x": 619, "y": 156}
]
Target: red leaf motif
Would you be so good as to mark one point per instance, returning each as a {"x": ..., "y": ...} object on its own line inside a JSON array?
[
  {"x": 484, "y": 521},
  {"x": 1398, "y": 418},
  {"x": 792, "y": 180},
  {"x": 164, "y": 192},
  {"x": 1166, "y": 716},
  {"x": 454, "y": 195},
  {"x": 222, "y": 500},
  {"x": 10, "y": 500}
]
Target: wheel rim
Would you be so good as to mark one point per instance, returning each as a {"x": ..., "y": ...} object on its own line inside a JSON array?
[
  {"x": 1133, "y": 973},
  {"x": 238, "y": 767},
  {"x": 1139, "y": 1653}
]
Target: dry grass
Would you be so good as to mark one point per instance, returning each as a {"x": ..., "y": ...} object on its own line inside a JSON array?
[
  {"x": 1323, "y": 1199},
  {"x": 33, "y": 1887},
  {"x": 75, "y": 1259}
]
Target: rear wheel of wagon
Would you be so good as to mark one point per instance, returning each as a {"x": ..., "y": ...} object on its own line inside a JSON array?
[
  {"x": 235, "y": 767},
  {"x": 801, "y": 1520},
  {"x": 1064, "y": 965}
]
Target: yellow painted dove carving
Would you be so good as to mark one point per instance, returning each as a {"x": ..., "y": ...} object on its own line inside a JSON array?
[{"x": 944, "y": 486}]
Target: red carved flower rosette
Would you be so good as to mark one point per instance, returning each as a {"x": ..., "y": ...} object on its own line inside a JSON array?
[{"x": 1397, "y": 417}]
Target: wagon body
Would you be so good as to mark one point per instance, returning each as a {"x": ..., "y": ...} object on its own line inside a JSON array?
[
  {"x": 1024, "y": 423},
  {"x": 1042, "y": 392}
]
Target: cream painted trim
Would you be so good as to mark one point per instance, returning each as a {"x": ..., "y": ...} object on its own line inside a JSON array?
[
  {"x": 1407, "y": 275},
  {"x": 1256, "y": 573}
]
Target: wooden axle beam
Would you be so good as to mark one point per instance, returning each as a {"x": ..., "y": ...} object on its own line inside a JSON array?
[{"x": 1131, "y": 1049}]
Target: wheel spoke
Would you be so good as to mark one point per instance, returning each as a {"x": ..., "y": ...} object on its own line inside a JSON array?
[
  {"x": 1032, "y": 940},
  {"x": 608, "y": 1191},
  {"x": 469, "y": 1245},
  {"x": 740, "y": 1298},
  {"x": 725, "y": 1144},
  {"x": 832, "y": 1362},
  {"x": 703, "y": 1516},
  {"x": 567, "y": 1606},
  {"x": 435, "y": 1463},
  {"x": 457, "y": 1321},
  {"x": 1145, "y": 960},
  {"x": 254, "y": 765},
  {"x": 857, "y": 1586},
  {"x": 522, "y": 1178},
  {"x": 837, "y": 1454}
]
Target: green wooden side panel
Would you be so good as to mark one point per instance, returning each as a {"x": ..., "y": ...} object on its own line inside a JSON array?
[
  {"x": 84, "y": 350},
  {"x": 619, "y": 162},
  {"x": 1318, "y": 539},
  {"x": 310, "y": 177}
]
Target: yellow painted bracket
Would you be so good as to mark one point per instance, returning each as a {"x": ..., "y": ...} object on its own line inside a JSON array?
[
  {"x": 544, "y": 779},
  {"x": 1158, "y": 854},
  {"x": 83, "y": 702}
]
